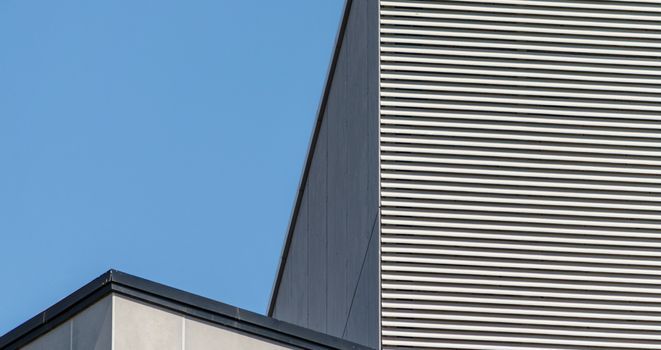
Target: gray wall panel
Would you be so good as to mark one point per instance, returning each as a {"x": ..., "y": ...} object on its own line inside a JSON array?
[
  {"x": 92, "y": 328},
  {"x": 317, "y": 199},
  {"x": 358, "y": 222},
  {"x": 337, "y": 196},
  {"x": 142, "y": 326},
  {"x": 373, "y": 288},
  {"x": 373, "y": 95},
  {"x": 339, "y": 201},
  {"x": 521, "y": 176},
  {"x": 299, "y": 266},
  {"x": 56, "y": 339},
  {"x": 203, "y": 336},
  {"x": 284, "y": 305},
  {"x": 139, "y": 325},
  {"x": 362, "y": 323}
]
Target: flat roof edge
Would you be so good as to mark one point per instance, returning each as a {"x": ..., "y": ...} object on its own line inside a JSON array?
[
  {"x": 176, "y": 300},
  {"x": 310, "y": 155},
  {"x": 58, "y": 313}
]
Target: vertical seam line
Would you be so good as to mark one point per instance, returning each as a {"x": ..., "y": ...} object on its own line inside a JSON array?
[{"x": 362, "y": 267}]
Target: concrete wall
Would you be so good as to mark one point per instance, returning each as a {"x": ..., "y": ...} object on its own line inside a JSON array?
[
  {"x": 119, "y": 323},
  {"x": 330, "y": 271},
  {"x": 145, "y": 327},
  {"x": 89, "y": 330}
]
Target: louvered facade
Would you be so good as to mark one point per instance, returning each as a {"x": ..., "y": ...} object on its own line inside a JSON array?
[
  {"x": 515, "y": 178},
  {"x": 521, "y": 174}
]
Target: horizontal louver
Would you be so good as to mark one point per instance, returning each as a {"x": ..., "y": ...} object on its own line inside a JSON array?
[{"x": 521, "y": 174}]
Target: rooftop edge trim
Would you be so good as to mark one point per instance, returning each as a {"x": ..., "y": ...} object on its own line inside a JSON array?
[{"x": 176, "y": 300}]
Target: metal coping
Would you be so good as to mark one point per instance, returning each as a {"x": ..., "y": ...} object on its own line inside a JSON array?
[
  {"x": 308, "y": 162},
  {"x": 181, "y": 302}
]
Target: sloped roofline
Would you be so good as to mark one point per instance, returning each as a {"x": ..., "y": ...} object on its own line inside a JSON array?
[
  {"x": 181, "y": 302},
  {"x": 308, "y": 161}
]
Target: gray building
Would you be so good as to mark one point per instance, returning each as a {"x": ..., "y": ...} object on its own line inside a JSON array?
[
  {"x": 118, "y": 311},
  {"x": 484, "y": 175}
]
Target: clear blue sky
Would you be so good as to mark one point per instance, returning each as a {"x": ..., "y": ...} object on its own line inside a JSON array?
[{"x": 163, "y": 138}]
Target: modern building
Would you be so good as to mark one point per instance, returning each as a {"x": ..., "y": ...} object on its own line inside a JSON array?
[
  {"x": 118, "y": 311},
  {"x": 484, "y": 175}
]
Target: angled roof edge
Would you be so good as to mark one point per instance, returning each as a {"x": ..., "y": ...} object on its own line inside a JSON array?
[
  {"x": 187, "y": 304},
  {"x": 308, "y": 161}
]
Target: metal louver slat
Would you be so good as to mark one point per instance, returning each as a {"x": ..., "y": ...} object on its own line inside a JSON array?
[{"x": 520, "y": 174}]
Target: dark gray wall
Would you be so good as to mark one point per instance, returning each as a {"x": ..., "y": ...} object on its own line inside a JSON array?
[{"x": 330, "y": 277}]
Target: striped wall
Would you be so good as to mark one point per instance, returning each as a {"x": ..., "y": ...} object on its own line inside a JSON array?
[{"x": 521, "y": 174}]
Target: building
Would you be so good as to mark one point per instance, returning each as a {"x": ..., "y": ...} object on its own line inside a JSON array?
[
  {"x": 484, "y": 175},
  {"x": 118, "y": 311}
]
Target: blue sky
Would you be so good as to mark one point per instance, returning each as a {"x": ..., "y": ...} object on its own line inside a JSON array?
[{"x": 163, "y": 138}]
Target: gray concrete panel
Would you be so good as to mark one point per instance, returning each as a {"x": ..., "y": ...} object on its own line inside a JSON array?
[
  {"x": 57, "y": 339},
  {"x": 92, "y": 328},
  {"x": 145, "y": 327},
  {"x": 202, "y": 336}
]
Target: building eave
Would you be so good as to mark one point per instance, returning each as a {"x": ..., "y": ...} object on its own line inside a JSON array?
[{"x": 178, "y": 301}]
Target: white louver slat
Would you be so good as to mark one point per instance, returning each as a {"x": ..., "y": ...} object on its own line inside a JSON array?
[{"x": 520, "y": 174}]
